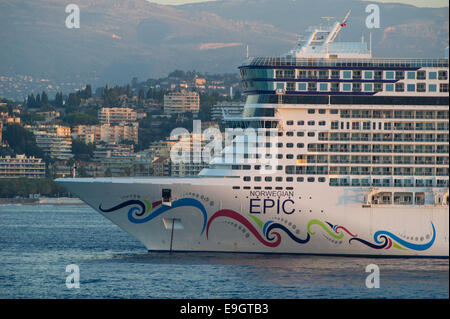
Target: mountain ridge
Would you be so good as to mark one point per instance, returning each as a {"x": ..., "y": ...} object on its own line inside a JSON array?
[{"x": 121, "y": 39}]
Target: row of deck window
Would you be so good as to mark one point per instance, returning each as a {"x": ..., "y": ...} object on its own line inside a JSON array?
[
  {"x": 354, "y": 159},
  {"x": 351, "y": 74},
  {"x": 366, "y": 182}
]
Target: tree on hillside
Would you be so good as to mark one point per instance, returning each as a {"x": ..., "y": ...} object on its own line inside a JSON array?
[
  {"x": 31, "y": 101},
  {"x": 73, "y": 100},
  {"x": 44, "y": 99},
  {"x": 82, "y": 151},
  {"x": 22, "y": 141},
  {"x": 59, "y": 99}
]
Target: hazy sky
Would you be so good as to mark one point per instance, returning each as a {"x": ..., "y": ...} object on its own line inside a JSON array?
[{"x": 418, "y": 3}]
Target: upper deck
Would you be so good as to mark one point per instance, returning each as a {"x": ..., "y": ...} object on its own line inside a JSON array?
[{"x": 288, "y": 62}]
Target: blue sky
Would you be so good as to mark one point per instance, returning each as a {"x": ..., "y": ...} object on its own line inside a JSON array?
[{"x": 418, "y": 3}]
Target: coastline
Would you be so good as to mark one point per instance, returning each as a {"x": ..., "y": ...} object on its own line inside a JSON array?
[{"x": 42, "y": 201}]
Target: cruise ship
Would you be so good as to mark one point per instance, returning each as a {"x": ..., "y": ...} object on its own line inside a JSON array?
[{"x": 340, "y": 154}]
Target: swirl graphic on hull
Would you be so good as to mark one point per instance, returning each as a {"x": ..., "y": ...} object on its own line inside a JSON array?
[
  {"x": 135, "y": 211},
  {"x": 142, "y": 211}
]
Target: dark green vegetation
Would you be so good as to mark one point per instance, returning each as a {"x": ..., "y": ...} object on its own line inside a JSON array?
[{"x": 23, "y": 187}]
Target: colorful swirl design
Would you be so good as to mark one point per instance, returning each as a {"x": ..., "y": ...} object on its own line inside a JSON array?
[
  {"x": 398, "y": 241},
  {"x": 267, "y": 235},
  {"x": 241, "y": 219},
  {"x": 125, "y": 204},
  {"x": 272, "y": 239},
  {"x": 136, "y": 211},
  {"x": 272, "y": 225}
]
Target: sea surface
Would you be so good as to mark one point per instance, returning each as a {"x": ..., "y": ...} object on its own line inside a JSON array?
[{"x": 38, "y": 242}]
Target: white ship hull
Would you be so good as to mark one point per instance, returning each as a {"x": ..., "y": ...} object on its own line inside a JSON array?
[{"x": 317, "y": 219}]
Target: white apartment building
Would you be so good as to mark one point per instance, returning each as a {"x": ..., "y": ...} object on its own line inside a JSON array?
[
  {"x": 116, "y": 115},
  {"x": 106, "y": 133},
  {"x": 55, "y": 146},
  {"x": 21, "y": 166},
  {"x": 180, "y": 102}
]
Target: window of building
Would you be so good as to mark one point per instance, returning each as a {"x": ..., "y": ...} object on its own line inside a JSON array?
[
  {"x": 289, "y": 74},
  {"x": 421, "y": 87},
  {"x": 356, "y": 87},
  {"x": 443, "y": 87},
  {"x": 346, "y": 87},
  {"x": 322, "y": 123},
  {"x": 323, "y": 74},
  {"x": 335, "y": 125},
  {"x": 411, "y": 75},
  {"x": 389, "y": 87},
  {"x": 366, "y": 125},
  {"x": 302, "y": 74},
  {"x": 421, "y": 75},
  {"x": 300, "y": 134},
  {"x": 411, "y": 87},
  {"x": 311, "y": 134},
  {"x": 323, "y": 86},
  {"x": 442, "y": 75},
  {"x": 368, "y": 75},
  {"x": 302, "y": 86},
  {"x": 389, "y": 75},
  {"x": 300, "y": 145},
  {"x": 289, "y": 122},
  {"x": 347, "y": 74},
  {"x": 399, "y": 87},
  {"x": 300, "y": 122},
  {"x": 368, "y": 87},
  {"x": 311, "y": 123},
  {"x": 311, "y": 111},
  {"x": 432, "y": 75},
  {"x": 290, "y": 86},
  {"x": 399, "y": 75},
  {"x": 378, "y": 87},
  {"x": 335, "y": 74},
  {"x": 378, "y": 75},
  {"x": 334, "y": 87},
  {"x": 280, "y": 86},
  {"x": 312, "y": 86}
]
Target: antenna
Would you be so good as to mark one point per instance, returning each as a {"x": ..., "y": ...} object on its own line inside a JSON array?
[
  {"x": 247, "y": 51},
  {"x": 338, "y": 27},
  {"x": 370, "y": 43},
  {"x": 346, "y": 16}
]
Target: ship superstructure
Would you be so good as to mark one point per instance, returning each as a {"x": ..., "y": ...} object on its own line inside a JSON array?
[{"x": 357, "y": 163}]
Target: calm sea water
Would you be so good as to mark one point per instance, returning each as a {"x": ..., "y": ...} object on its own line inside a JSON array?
[{"x": 38, "y": 242}]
